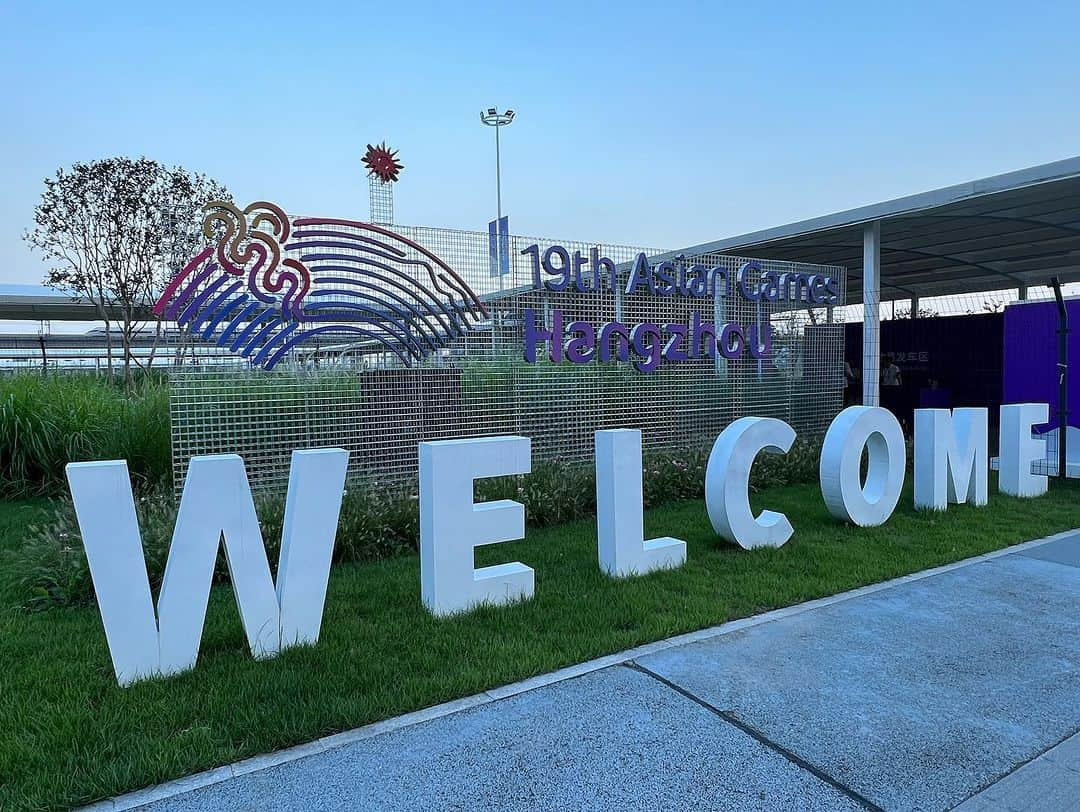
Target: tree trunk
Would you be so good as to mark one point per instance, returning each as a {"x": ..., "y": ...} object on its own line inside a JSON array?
[
  {"x": 125, "y": 338},
  {"x": 154, "y": 346},
  {"x": 108, "y": 350}
]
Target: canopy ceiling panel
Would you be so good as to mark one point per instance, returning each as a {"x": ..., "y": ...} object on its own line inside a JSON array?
[{"x": 1015, "y": 229}]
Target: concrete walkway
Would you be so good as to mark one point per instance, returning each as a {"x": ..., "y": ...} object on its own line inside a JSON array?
[{"x": 955, "y": 687}]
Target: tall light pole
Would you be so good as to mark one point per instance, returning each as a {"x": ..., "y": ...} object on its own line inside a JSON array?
[{"x": 493, "y": 118}]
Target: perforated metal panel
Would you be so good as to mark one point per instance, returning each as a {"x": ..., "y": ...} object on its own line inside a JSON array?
[{"x": 362, "y": 398}]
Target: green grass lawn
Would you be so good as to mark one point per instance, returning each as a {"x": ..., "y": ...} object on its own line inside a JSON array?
[
  {"x": 14, "y": 516},
  {"x": 69, "y": 735}
]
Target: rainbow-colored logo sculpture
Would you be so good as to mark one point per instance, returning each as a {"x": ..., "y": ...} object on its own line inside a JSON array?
[{"x": 355, "y": 280}]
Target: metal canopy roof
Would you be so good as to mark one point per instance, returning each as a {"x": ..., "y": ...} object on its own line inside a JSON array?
[{"x": 1001, "y": 232}]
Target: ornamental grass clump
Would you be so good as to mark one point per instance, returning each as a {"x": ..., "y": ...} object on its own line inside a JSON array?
[
  {"x": 49, "y": 420},
  {"x": 376, "y": 521},
  {"x": 49, "y": 567}
]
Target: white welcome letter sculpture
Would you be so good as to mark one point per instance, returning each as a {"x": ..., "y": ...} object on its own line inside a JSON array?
[
  {"x": 875, "y": 428},
  {"x": 216, "y": 504},
  {"x": 451, "y": 524},
  {"x": 620, "y": 524},
  {"x": 727, "y": 478},
  {"x": 1019, "y": 449},
  {"x": 951, "y": 457}
]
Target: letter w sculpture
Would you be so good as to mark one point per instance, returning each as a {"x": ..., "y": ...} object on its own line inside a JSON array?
[{"x": 216, "y": 504}]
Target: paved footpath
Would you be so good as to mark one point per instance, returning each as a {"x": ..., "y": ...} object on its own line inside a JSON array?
[{"x": 958, "y": 687}]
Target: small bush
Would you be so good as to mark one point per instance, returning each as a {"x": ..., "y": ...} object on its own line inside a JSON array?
[
  {"x": 798, "y": 466},
  {"x": 555, "y": 492},
  {"x": 372, "y": 524},
  {"x": 559, "y": 491}
]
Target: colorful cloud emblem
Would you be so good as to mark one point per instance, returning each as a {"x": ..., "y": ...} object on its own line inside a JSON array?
[{"x": 360, "y": 282}]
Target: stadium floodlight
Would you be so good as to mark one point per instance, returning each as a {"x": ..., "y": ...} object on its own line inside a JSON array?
[{"x": 493, "y": 118}]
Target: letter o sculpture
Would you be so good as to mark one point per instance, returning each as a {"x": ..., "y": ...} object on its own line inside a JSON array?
[{"x": 846, "y": 496}]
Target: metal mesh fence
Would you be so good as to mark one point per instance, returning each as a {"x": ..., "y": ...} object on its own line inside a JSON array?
[
  {"x": 380, "y": 200},
  {"x": 90, "y": 352},
  {"x": 955, "y": 304},
  {"x": 359, "y": 397}
]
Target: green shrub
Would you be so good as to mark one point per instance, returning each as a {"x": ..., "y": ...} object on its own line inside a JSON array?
[
  {"x": 50, "y": 568},
  {"x": 555, "y": 492},
  {"x": 799, "y": 465},
  {"x": 372, "y": 524},
  {"x": 47, "y": 421},
  {"x": 558, "y": 491}
]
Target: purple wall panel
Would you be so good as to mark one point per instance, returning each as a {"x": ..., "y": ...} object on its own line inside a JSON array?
[{"x": 1030, "y": 368}]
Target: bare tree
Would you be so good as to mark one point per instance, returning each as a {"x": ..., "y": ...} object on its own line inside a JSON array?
[
  {"x": 905, "y": 313},
  {"x": 116, "y": 229}
]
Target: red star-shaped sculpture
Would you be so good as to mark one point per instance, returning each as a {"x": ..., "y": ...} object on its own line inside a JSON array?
[{"x": 381, "y": 163}]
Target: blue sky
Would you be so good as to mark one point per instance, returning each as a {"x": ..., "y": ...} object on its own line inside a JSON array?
[{"x": 655, "y": 125}]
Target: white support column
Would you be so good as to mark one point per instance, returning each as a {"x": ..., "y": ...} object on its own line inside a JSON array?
[{"x": 871, "y": 367}]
